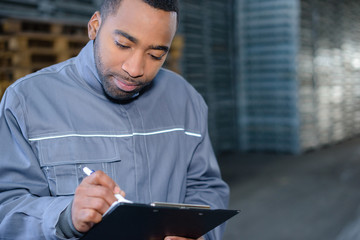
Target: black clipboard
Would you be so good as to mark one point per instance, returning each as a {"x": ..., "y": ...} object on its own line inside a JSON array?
[{"x": 147, "y": 222}]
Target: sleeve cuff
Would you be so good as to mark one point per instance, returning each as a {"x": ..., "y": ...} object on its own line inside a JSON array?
[{"x": 65, "y": 227}]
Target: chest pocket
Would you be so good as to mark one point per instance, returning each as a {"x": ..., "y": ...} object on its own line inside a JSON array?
[{"x": 62, "y": 160}]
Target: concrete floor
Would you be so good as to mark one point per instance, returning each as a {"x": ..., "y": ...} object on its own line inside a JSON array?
[{"x": 314, "y": 196}]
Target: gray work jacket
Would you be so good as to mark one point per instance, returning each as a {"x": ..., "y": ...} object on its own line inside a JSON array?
[{"x": 58, "y": 120}]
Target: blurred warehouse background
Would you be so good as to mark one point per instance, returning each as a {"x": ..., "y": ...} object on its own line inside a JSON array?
[
  {"x": 281, "y": 79},
  {"x": 278, "y": 75}
]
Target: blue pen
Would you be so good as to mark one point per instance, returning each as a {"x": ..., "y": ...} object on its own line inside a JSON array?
[{"x": 119, "y": 198}]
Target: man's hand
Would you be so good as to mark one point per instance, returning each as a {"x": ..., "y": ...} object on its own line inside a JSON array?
[
  {"x": 180, "y": 238},
  {"x": 92, "y": 199}
]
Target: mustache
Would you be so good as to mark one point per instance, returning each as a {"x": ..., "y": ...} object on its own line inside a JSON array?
[{"x": 126, "y": 78}]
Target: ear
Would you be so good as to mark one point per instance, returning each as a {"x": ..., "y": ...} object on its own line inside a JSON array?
[{"x": 94, "y": 25}]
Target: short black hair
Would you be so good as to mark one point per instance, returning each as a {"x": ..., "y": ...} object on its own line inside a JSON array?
[{"x": 109, "y": 7}]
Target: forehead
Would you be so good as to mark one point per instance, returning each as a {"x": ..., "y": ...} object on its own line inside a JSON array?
[{"x": 142, "y": 21}]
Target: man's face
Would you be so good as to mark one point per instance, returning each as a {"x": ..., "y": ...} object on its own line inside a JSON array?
[{"x": 131, "y": 46}]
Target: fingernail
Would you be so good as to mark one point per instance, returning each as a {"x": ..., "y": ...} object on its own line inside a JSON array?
[{"x": 117, "y": 189}]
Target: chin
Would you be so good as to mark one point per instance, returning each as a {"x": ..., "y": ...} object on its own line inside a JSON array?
[{"x": 123, "y": 96}]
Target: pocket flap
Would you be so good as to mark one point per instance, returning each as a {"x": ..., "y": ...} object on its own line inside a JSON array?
[{"x": 73, "y": 150}]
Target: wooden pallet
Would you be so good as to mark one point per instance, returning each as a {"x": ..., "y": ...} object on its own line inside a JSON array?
[
  {"x": 9, "y": 74},
  {"x": 58, "y": 43},
  {"x": 175, "y": 54},
  {"x": 14, "y": 26},
  {"x": 33, "y": 58},
  {"x": 26, "y": 46},
  {"x": 3, "y": 86},
  {"x": 25, "y": 51}
]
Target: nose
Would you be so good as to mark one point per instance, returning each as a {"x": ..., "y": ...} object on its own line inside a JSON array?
[{"x": 134, "y": 65}]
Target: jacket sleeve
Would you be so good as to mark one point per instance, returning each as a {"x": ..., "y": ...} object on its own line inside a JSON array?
[
  {"x": 204, "y": 183},
  {"x": 27, "y": 211}
]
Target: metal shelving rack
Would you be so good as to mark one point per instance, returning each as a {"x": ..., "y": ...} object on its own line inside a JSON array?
[
  {"x": 208, "y": 62},
  {"x": 267, "y": 106},
  {"x": 299, "y": 66},
  {"x": 58, "y": 10}
]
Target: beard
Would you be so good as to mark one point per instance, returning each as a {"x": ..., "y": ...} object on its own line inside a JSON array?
[{"x": 109, "y": 78}]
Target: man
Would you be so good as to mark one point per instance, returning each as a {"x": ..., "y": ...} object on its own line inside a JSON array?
[{"x": 112, "y": 109}]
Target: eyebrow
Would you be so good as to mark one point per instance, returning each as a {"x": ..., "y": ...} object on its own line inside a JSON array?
[
  {"x": 162, "y": 48},
  {"x": 135, "y": 40},
  {"x": 126, "y": 35}
]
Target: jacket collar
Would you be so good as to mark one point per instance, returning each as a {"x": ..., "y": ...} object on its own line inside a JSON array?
[{"x": 85, "y": 64}]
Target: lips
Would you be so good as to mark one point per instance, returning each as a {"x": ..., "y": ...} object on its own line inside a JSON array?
[{"x": 124, "y": 85}]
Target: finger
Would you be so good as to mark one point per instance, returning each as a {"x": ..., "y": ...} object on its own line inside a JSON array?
[
  {"x": 85, "y": 219},
  {"x": 90, "y": 216},
  {"x": 88, "y": 190},
  {"x": 98, "y": 204},
  {"x": 100, "y": 178}
]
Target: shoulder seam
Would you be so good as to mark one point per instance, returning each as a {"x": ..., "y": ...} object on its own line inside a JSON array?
[{"x": 35, "y": 74}]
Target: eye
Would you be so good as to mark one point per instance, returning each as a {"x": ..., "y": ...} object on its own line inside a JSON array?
[
  {"x": 121, "y": 45},
  {"x": 156, "y": 57}
]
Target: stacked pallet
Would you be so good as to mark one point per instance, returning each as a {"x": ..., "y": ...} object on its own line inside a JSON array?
[
  {"x": 175, "y": 53},
  {"x": 351, "y": 62},
  {"x": 300, "y": 68},
  {"x": 27, "y": 46},
  {"x": 306, "y": 77},
  {"x": 267, "y": 68},
  {"x": 329, "y": 64},
  {"x": 207, "y": 63}
]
